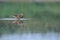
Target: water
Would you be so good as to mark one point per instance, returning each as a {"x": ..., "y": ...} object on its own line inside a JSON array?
[{"x": 31, "y": 36}]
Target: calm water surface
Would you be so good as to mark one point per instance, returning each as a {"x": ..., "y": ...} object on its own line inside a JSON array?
[{"x": 30, "y": 36}]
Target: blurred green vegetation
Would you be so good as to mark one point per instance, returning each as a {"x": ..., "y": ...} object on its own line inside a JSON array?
[{"x": 44, "y": 17}]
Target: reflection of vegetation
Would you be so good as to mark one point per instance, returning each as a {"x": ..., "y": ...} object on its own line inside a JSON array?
[
  {"x": 43, "y": 25},
  {"x": 46, "y": 17}
]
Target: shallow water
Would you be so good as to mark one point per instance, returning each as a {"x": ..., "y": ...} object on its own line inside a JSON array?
[{"x": 30, "y": 36}]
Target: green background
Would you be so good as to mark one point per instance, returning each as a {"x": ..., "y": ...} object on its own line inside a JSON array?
[{"x": 45, "y": 17}]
